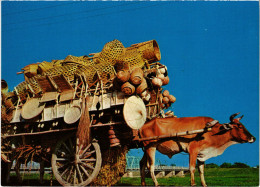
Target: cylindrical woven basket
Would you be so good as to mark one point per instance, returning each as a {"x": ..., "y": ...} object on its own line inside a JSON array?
[
  {"x": 128, "y": 88},
  {"x": 165, "y": 100},
  {"x": 137, "y": 76},
  {"x": 165, "y": 80},
  {"x": 142, "y": 87},
  {"x": 150, "y": 50},
  {"x": 161, "y": 76},
  {"x": 123, "y": 76},
  {"x": 44, "y": 66},
  {"x": 166, "y": 93},
  {"x": 157, "y": 82},
  {"x": 172, "y": 99}
]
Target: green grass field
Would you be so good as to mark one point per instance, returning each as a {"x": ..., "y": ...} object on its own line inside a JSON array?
[{"x": 214, "y": 177}]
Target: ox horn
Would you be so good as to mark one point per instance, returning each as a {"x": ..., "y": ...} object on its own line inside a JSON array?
[
  {"x": 240, "y": 118},
  {"x": 233, "y": 116}
]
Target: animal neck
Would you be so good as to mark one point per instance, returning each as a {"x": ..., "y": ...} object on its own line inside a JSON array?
[{"x": 219, "y": 133}]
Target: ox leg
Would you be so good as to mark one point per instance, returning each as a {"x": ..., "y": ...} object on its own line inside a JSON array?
[
  {"x": 192, "y": 164},
  {"x": 201, "y": 171},
  {"x": 143, "y": 164},
  {"x": 150, "y": 152},
  {"x": 41, "y": 171}
]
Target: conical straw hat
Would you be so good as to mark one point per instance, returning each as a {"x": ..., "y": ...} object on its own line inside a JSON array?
[{"x": 134, "y": 112}]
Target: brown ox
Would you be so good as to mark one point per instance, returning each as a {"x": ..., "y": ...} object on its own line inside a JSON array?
[{"x": 199, "y": 146}]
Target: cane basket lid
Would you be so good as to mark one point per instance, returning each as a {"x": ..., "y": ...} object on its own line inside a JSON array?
[
  {"x": 72, "y": 115},
  {"x": 134, "y": 112},
  {"x": 32, "y": 108}
]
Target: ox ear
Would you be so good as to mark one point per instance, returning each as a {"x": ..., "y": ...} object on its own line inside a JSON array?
[{"x": 227, "y": 126}]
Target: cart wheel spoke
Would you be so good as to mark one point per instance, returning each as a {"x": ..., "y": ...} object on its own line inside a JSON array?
[
  {"x": 85, "y": 171},
  {"x": 80, "y": 176},
  {"x": 88, "y": 154},
  {"x": 65, "y": 171},
  {"x": 88, "y": 166},
  {"x": 88, "y": 160},
  {"x": 69, "y": 174},
  {"x": 70, "y": 144},
  {"x": 85, "y": 149},
  {"x": 62, "y": 159},
  {"x": 67, "y": 148},
  {"x": 77, "y": 146},
  {"x": 75, "y": 176}
]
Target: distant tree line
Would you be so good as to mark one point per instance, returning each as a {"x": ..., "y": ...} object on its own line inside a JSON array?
[{"x": 227, "y": 165}]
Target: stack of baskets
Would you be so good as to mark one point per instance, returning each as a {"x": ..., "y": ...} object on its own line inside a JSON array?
[{"x": 134, "y": 71}]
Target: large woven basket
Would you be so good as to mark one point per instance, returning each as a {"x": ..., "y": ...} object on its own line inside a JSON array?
[{"x": 150, "y": 50}]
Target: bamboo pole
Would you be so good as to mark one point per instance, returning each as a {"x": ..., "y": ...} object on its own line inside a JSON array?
[
  {"x": 175, "y": 134},
  {"x": 37, "y": 133}
]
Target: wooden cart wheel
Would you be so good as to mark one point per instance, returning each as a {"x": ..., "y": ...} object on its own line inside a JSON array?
[{"x": 73, "y": 165}]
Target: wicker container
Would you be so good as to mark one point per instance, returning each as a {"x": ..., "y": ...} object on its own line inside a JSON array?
[
  {"x": 128, "y": 88},
  {"x": 150, "y": 50},
  {"x": 45, "y": 66},
  {"x": 162, "y": 70},
  {"x": 123, "y": 76},
  {"x": 172, "y": 99},
  {"x": 157, "y": 82},
  {"x": 144, "y": 93},
  {"x": 161, "y": 76},
  {"x": 166, "y": 80},
  {"x": 134, "y": 112},
  {"x": 30, "y": 70},
  {"x": 137, "y": 76},
  {"x": 165, "y": 100},
  {"x": 4, "y": 87},
  {"x": 142, "y": 87},
  {"x": 32, "y": 108},
  {"x": 147, "y": 97},
  {"x": 72, "y": 115},
  {"x": 166, "y": 93}
]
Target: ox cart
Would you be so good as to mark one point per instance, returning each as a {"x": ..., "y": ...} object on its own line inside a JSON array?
[{"x": 82, "y": 114}]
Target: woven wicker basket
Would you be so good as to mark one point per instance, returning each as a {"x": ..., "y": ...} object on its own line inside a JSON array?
[
  {"x": 123, "y": 76},
  {"x": 166, "y": 93},
  {"x": 166, "y": 80},
  {"x": 157, "y": 82},
  {"x": 142, "y": 87},
  {"x": 165, "y": 100},
  {"x": 172, "y": 99},
  {"x": 150, "y": 50},
  {"x": 128, "y": 88},
  {"x": 137, "y": 76}
]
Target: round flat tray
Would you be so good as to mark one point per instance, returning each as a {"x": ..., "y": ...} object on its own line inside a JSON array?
[
  {"x": 32, "y": 108},
  {"x": 72, "y": 115},
  {"x": 134, "y": 112}
]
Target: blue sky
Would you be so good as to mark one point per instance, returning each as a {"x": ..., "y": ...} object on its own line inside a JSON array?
[{"x": 210, "y": 49}]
